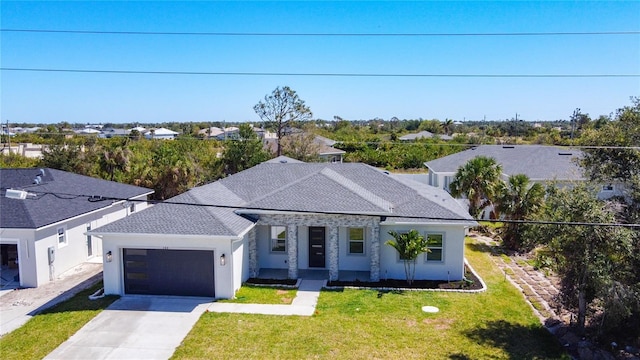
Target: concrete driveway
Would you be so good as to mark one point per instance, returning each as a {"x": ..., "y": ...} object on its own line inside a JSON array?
[{"x": 135, "y": 327}]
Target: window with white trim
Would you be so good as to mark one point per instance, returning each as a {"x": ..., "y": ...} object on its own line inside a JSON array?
[
  {"x": 278, "y": 239},
  {"x": 356, "y": 241},
  {"x": 435, "y": 244},
  {"x": 62, "y": 236},
  {"x": 608, "y": 187}
]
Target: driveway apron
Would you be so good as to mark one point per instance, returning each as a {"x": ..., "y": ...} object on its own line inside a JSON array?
[{"x": 135, "y": 327}]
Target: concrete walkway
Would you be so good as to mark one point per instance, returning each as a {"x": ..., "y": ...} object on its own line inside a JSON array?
[
  {"x": 304, "y": 303},
  {"x": 135, "y": 327},
  {"x": 18, "y": 306}
]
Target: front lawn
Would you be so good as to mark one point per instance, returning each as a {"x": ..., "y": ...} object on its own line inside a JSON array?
[
  {"x": 366, "y": 324},
  {"x": 249, "y": 294},
  {"x": 47, "y": 330}
]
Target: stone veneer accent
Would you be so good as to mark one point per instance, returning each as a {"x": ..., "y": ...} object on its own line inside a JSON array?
[
  {"x": 333, "y": 222},
  {"x": 292, "y": 245},
  {"x": 253, "y": 253}
]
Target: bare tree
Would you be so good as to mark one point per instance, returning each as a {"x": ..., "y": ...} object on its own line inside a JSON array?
[{"x": 281, "y": 109}]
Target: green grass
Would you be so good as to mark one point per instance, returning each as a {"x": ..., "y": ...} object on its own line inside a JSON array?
[
  {"x": 369, "y": 324},
  {"x": 47, "y": 330},
  {"x": 505, "y": 258},
  {"x": 263, "y": 295},
  {"x": 492, "y": 224}
]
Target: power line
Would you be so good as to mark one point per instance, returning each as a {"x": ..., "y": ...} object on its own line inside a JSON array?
[
  {"x": 96, "y": 198},
  {"x": 350, "y": 142},
  {"x": 266, "y": 34},
  {"x": 223, "y": 73}
]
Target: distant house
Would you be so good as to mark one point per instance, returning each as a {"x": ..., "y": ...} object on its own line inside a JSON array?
[
  {"x": 161, "y": 134},
  {"x": 322, "y": 145},
  {"x": 284, "y": 217},
  {"x": 541, "y": 163},
  {"x": 425, "y": 135},
  {"x": 45, "y": 213},
  {"x": 87, "y": 131},
  {"x": 109, "y": 133}
]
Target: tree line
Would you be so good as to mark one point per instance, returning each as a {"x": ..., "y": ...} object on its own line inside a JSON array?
[{"x": 599, "y": 266}]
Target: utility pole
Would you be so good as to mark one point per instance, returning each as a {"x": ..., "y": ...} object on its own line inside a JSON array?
[{"x": 8, "y": 137}]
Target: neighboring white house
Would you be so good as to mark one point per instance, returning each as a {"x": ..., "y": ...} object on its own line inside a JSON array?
[
  {"x": 44, "y": 215},
  {"x": 161, "y": 133},
  {"x": 285, "y": 216},
  {"x": 541, "y": 163}
]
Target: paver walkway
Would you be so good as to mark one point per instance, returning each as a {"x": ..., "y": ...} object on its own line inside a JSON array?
[
  {"x": 304, "y": 303},
  {"x": 539, "y": 291}
]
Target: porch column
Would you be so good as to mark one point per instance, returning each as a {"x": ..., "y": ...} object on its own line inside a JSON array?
[
  {"x": 375, "y": 250},
  {"x": 292, "y": 246},
  {"x": 253, "y": 254},
  {"x": 333, "y": 253}
]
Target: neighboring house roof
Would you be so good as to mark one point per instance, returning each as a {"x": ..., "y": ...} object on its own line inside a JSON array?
[
  {"x": 284, "y": 159},
  {"x": 163, "y": 132},
  {"x": 426, "y": 135},
  {"x": 538, "y": 162},
  {"x": 55, "y": 197},
  {"x": 293, "y": 186},
  {"x": 321, "y": 144}
]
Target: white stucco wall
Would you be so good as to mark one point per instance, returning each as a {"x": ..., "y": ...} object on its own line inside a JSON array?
[
  {"x": 34, "y": 244},
  {"x": 225, "y": 282},
  {"x": 452, "y": 266}
]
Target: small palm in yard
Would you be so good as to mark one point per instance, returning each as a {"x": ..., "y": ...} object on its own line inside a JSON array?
[{"x": 409, "y": 246}]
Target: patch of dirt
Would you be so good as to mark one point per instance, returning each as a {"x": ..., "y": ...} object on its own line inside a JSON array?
[
  {"x": 258, "y": 281},
  {"x": 439, "y": 323}
]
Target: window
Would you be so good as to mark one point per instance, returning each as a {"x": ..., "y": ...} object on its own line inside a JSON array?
[
  {"x": 278, "y": 239},
  {"x": 608, "y": 187},
  {"x": 132, "y": 208},
  {"x": 62, "y": 237},
  {"x": 435, "y": 245},
  {"x": 356, "y": 240}
]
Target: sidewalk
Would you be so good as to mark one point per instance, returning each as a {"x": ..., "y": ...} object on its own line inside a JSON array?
[
  {"x": 304, "y": 303},
  {"x": 18, "y": 306}
]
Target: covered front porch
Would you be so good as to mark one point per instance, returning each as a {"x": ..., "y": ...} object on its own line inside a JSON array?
[{"x": 293, "y": 246}]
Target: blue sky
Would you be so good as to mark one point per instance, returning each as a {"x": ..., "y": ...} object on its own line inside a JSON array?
[{"x": 90, "y": 97}]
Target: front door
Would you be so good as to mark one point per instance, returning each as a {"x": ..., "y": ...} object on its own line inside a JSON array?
[{"x": 316, "y": 247}]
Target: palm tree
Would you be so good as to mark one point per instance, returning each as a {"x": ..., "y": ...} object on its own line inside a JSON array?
[
  {"x": 477, "y": 180},
  {"x": 409, "y": 246},
  {"x": 447, "y": 125},
  {"x": 115, "y": 159},
  {"x": 517, "y": 199}
]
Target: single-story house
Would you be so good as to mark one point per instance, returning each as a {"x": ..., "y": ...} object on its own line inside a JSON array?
[
  {"x": 44, "y": 215},
  {"x": 321, "y": 145},
  {"x": 424, "y": 134},
  {"x": 161, "y": 133},
  {"x": 541, "y": 163},
  {"x": 283, "y": 216}
]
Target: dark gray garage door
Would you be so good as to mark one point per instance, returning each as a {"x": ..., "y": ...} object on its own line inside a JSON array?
[{"x": 168, "y": 272}]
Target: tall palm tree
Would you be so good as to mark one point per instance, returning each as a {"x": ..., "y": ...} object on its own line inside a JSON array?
[
  {"x": 447, "y": 125},
  {"x": 517, "y": 199},
  {"x": 477, "y": 180}
]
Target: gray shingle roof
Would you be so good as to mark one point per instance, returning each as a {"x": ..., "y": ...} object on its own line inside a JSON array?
[
  {"x": 44, "y": 209},
  {"x": 303, "y": 187},
  {"x": 538, "y": 162},
  {"x": 424, "y": 134}
]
